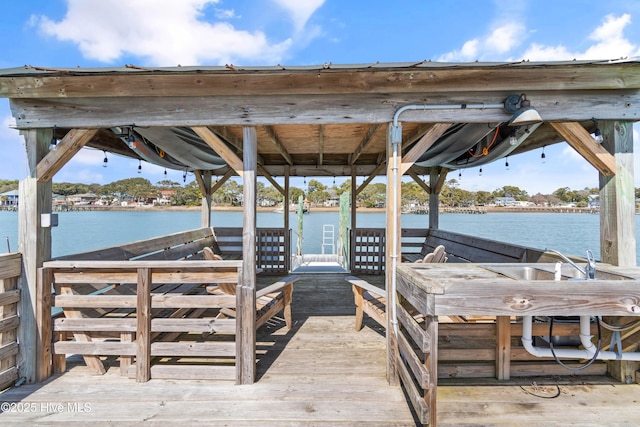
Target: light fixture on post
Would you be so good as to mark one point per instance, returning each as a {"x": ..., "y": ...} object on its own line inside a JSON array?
[
  {"x": 523, "y": 113},
  {"x": 597, "y": 134}
]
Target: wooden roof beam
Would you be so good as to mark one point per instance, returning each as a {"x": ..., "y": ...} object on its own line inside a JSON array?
[
  {"x": 269, "y": 178},
  {"x": 366, "y": 140},
  {"x": 426, "y": 142},
  {"x": 581, "y": 141},
  {"x": 231, "y": 138},
  {"x": 373, "y": 174},
  {"x": 279, "y": 145},
  {"x": 412, "y": 173},
  {"x": 72, "y": 142},
  {"x": 220, "y": 181},
  {"x": 220, "y": 148}
]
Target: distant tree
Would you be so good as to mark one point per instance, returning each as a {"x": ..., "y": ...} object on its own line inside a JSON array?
[
  {"x": 135, "y": 188},
  {"x": 539, "y": 199},
  {"x": 511, "y": 191},
  {"x": 8, "y": 185},
  {"x": 189, "y": 195},
  {"x": 294, "y": 193},
  {"x": 373, "y": 195},
  {"x": 167, "y": 184},
  {"x": 317, "y": 192},
  {"x": 483, "y": 197}
]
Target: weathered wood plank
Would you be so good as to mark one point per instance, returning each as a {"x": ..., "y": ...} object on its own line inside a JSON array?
[
  {"x": 10, "y": 265},
  {"x": 143, "y": 323}
]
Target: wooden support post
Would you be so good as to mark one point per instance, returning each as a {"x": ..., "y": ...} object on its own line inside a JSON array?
[
  {"x": 34, "y": 242},
  {"x": 617, "y": 197},
  {"x": 43, "y": 320},
  {"x": 431, "y": 363},
  {"x": 393, "y": 228},
  {"x": 354, "y": 208},
  {"x": 434, "y": 200},
  {"x": 206, "y": 199},
  {"x": 286, "y": 202},
  {"x": 503, "y": 347},
  {"x": 617, "y": 217},
  {"x": 143, "y": 327},
  {"x": 246, "y": 320}
]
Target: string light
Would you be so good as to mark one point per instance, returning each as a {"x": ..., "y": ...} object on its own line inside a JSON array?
[
  {"x": 165, "y": 171},
  {"x": 105, "y": 161},
  {"x": 506, "y": 163},
  {"x": 139, "y": 166},
  {"x": 513, "y": 139},
  {"x": 480, "y": 172},
  {"x": 54, "y": 140},
  {"x": 543, "y": 156},
  {"x": 184, "y": 176},
  {"x": 597, "y": 134}
]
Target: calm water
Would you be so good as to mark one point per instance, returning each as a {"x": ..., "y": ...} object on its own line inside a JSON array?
[{"x": 83, "y": 231}]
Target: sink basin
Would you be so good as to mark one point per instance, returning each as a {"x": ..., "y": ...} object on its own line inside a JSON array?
[
  {"x": 545, "y": 272},
  {"x": 517, "y": 272}
]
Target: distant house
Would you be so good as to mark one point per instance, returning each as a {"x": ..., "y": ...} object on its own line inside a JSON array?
[
  {"x": 10, "y": 198},
  {"x": 82, "y": 199},
  {"x": 165, "y": 197},
  {"x": 505, "y": 201}
]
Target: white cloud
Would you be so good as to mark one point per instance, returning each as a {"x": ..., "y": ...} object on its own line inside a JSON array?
[
  {"x": 162, "y": 32},
  {"x": 300, "y": 10},
  {"x": 609, "y": 43},
  {"x": 498, "y": 41}
]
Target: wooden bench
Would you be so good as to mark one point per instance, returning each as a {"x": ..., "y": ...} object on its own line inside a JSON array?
[
  {"x": 464, "y": 248},
  {"x": 369, "y": 299}
]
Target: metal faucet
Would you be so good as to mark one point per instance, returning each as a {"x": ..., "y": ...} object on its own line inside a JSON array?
[{"x": 589, "y": 272}]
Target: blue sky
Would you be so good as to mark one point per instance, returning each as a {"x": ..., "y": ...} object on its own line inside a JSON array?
[{"x": 90, "y": 33}]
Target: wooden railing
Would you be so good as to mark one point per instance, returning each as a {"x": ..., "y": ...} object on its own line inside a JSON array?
[
  {"x": 140, "y": 310},
  {"x": 10, "y": 271},
  {"x": 368, "y": 250},
  {"x": 273, "y": 247}
]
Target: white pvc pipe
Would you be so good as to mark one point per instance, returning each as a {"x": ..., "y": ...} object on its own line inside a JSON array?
[{"x": 585, "y": 337}]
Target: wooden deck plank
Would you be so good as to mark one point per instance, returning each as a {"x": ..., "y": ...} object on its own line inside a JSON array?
[{"x": 321, "y": 373}]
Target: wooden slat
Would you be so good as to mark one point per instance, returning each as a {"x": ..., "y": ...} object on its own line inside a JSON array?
[
  {"x": 9, "y": 323},
  {"x": 503, "y": 347},
  {"x": 8, "y": 377},
  {"x": 10, "y": 265},
  {"x": 415, "y": 330},
  {"x": 157, "y": 325},
  {"x": 189, "y": 372},
  {"x": 188, "y": 275},
  {"x": 158, "y": 301},
  {"x": 9, "y": 297},
  {"x": 195, "y": 349},
  {"x": 95, "y": 348},
  {"x": 8, "y": 350},
  {"x": 43, "y": 324},
  {"x": 418, "y": 403},
  {"x": 418, "y": 369}
]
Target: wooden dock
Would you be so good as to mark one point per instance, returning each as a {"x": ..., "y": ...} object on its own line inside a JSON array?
[{"x": 321, "y": 373}]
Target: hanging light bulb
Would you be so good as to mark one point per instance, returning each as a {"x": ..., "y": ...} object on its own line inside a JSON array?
[
  {"x": 543, "y": 156},
  {"x": 184, "y": 176},
  {"x": 459, "y": 174},
  {"x": 597, "y": 134},
  {"x": 334, "y": 180},
  {"x": 54, "y": 140},
  {"x": 506, "y": 163},
  {"x": 305, "y": 180},
  {"x": 480, "y": 172},
  {"x": 139, "y": 166},
  {"x": 165, "y": 171},
  {"x": 105, "y": 161},
  {"x": 513, "y": 138}
]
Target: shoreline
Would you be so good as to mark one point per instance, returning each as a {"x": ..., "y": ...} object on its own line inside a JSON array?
[{"x": 481, "y": 210}]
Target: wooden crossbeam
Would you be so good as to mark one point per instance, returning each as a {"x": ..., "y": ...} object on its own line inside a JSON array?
[
  {"x": 426, "y": 142},
  {"x": 412, "y": 173},
  {"x": 366, "y": 140},
  {"x": 220, "y": 148},
  {"x": 220, "y": 182},
  {"x": 273, "y": 182},
  {"x": 63, "y": 152},
  {"x": 370, "y": 177},
  {"x": 321, "y": 145},
  {"x": 578, "y": 138},
  {"x": 279, "y": 145}
]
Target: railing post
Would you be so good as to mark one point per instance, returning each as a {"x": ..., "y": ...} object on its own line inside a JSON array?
[
  {"x": 143, "y": 327},
  {"x": 43, "y": 324}
]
